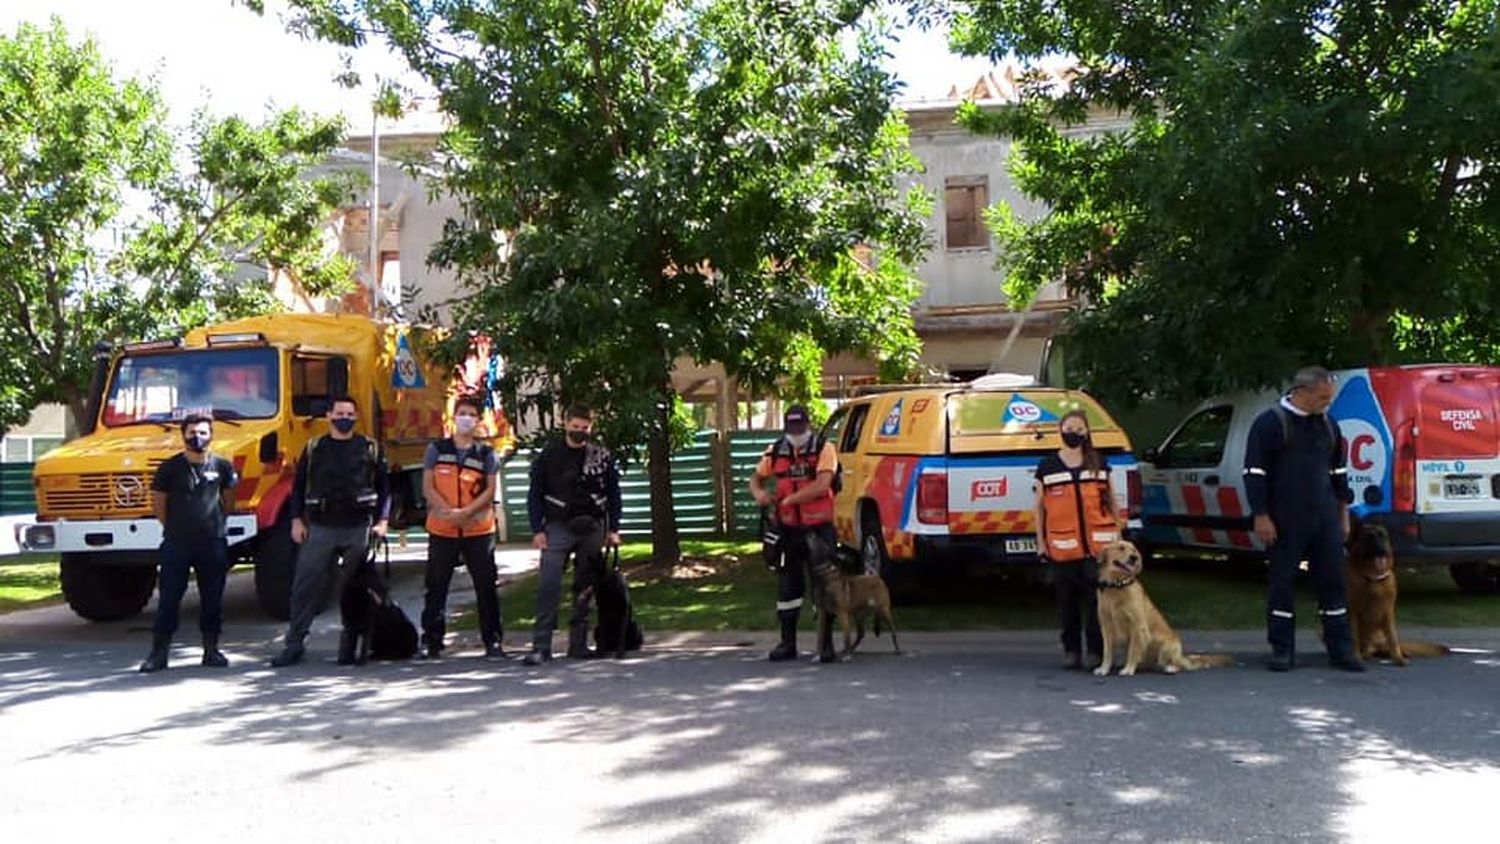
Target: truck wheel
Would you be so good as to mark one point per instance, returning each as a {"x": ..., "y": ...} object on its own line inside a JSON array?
[
  {"x": 874, "y": 559},
  {"x": 1476, "y": 578},
  {"x": 100, "y": 591},
  {"x": 275, "y": 564}
]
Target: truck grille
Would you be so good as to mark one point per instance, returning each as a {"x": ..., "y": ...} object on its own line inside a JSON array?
[{"x": 97, "y": 495}]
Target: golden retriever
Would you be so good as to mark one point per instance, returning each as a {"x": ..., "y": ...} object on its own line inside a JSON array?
[{"x": 1128, "y": 618}]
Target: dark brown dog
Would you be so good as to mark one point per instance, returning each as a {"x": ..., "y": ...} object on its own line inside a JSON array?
[
  {"x": 1371, "y": 570},
  {"x": 1128, "y": 619},
  {"x": 851, "y": 598}
]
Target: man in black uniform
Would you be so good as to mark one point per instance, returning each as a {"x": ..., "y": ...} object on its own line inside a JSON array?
[
  {"x": 189, "y": 497},
  {"x": 1299, "y": 494},
  {"x": 340, "y": 499},
  {"x": 574, "y": 505}
]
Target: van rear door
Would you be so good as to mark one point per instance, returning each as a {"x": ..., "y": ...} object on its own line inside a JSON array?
[{"x": 1458, "y": 446}]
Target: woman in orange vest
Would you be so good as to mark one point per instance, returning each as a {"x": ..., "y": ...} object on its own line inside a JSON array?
[
  {"x": 458, "y": 480},
  {"x": 1075, "y": 517}
]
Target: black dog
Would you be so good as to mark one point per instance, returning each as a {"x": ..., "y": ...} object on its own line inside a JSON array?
[
  {"x": 374, "y": 625},
  {"x": 617, "y": 631}
]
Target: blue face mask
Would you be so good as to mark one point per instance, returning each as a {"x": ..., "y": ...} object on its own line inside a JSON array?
[{"x": 343, "y": 425}]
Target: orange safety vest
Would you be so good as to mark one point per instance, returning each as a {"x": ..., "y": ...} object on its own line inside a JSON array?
[
  {"x": 794, "y": 470},
  {"x": 458, "y": 479},
  {"x": 1077, "y": 518}
]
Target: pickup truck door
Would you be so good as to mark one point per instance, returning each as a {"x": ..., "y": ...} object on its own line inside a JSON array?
[{"x": 1194, "y": 490}]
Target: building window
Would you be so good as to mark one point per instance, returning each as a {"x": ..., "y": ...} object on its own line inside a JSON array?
[{"x": 965, "y": 198}]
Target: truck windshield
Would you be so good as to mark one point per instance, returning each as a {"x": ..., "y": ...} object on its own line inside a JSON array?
[{"x": 222, "y": 383}]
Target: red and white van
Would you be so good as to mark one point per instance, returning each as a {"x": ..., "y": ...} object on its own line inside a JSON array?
[{"x": 1423, "y": 449}]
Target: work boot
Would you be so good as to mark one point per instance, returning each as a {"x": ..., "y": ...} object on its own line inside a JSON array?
[
  {"x": 290, "y": 655},
  {"x": 212, "y": 656},
  {"x": 1339, "y": 640},
  {"x": 1346, "y": 662},
  {"x": 432, "y": 648},
  {"x": 787, "y": 649},
  {"x": 1282, "y": 659},
  {"x": 157, "y": 659},
  {"x": 537, "y": 656},
  {"x": 1072, "y": 661},
  {"x": 494, "y": 650},
  {"x": 348, "y": 645}
]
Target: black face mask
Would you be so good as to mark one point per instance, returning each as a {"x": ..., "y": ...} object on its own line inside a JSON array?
[
  {"x": 578, "y": 437},
  {"x": 196, "y": 443},
  {"x": 1074, "y": 439},
  {"x": 343, "y": 425}
]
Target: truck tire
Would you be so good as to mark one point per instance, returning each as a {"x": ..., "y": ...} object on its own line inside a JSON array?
[
  {"x": 873, "y": 558},
  {"x": 275, "y": 565},
  {"x": 103, "y": 591},
  {"x": 1476, "y": 578}
]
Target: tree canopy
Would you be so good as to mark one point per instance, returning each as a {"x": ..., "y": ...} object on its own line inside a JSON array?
[
  {"x": 1297, "y": 182},
  {"x": 646, "y": 182},
  {"x": 112, "y": 230}
]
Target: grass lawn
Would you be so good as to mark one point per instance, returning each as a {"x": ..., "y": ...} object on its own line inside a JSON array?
[
  {"x": 724, "y": 586},
  {"x": 29, "y": 583}
]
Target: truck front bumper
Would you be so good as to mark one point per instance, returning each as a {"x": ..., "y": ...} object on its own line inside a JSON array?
[{"x": 112, "y": 535}]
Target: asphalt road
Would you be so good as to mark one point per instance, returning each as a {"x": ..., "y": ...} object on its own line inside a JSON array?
[{"x": 972, "y": 737}]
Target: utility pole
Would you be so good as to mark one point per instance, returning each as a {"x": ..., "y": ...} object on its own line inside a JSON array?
[{"x": 374, "y": 223}]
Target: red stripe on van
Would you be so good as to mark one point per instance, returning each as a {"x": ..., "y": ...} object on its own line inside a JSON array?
[
  {"x": 1229, "y": 505},
  {"x": 1192, "y": 496}
]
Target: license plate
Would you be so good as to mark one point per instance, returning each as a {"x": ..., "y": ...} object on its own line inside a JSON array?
[
  {"x": 1026, "y": 545},
  {"x": 1462, "y": 486}
]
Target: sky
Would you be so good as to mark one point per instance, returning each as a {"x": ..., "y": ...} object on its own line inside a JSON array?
[{"x": 216, "y": 54}]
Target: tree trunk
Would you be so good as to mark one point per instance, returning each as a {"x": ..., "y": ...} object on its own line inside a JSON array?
[{"x": 666, "y": 546}]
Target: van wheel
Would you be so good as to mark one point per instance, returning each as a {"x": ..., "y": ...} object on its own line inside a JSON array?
[
  {"x": 275, "y": 564},
  {"x": 1476, "y": 578},
  {"x": 100, "y": 591}
]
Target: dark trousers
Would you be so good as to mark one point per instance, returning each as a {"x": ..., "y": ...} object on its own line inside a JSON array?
[
  {"x": 1321, "y": 543},
  {"x": 561, "y": 541},
  {"x": 210, "y": 562},
  {"x": 806, "y": 550},
  {"x": 477, "y": 554},
  {"x": 1077, "y": 586}
]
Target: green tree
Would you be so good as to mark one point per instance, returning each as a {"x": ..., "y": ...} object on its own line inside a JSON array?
[
  {"x": 646, "y": 182},
  {"x": 1299, "y": 182},
  {"x": 104, "y": 237}
]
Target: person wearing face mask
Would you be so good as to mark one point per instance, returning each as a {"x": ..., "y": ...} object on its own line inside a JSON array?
[
  {"x": 1298, "y": 489},
  {"x": 575, "y": 507},
  {"x": 1075, "y": 517},
  {"x": 801, "y": 501},
  {"x": 340, "y": 499},
  {"x": 458, "y": 481},
  {"x": 190, "y": 497}
]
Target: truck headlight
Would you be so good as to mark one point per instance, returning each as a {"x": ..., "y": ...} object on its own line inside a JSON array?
[{"x": 38, "y": 538}]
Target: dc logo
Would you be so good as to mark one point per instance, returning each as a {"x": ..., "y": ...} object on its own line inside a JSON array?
[
  {"x": 1366, "y": 457},
  {"x": 1024, "y": 411}
]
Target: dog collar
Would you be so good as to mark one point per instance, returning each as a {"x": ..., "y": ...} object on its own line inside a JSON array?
[
  {"x": 1116, "y": 584},
  {"x": 1376, "y": 579}
]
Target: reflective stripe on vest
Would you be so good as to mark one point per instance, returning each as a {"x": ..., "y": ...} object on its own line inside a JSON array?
[
  {"x": 1067, "y": 533},
  {"x": 793, "y": 471},
  {"x": 458, "y": 479}
]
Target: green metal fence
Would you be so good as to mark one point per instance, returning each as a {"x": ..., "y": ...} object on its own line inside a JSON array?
[
  {"x": 16, "y": 493},
  {"x": 709, "y": 483}
]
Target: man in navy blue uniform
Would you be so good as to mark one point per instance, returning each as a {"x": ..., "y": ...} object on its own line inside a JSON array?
[{"x": 1299, "y": 494}]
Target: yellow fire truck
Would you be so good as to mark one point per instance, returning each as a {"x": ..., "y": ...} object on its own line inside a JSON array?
[{"x": 266, "y": 382}]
